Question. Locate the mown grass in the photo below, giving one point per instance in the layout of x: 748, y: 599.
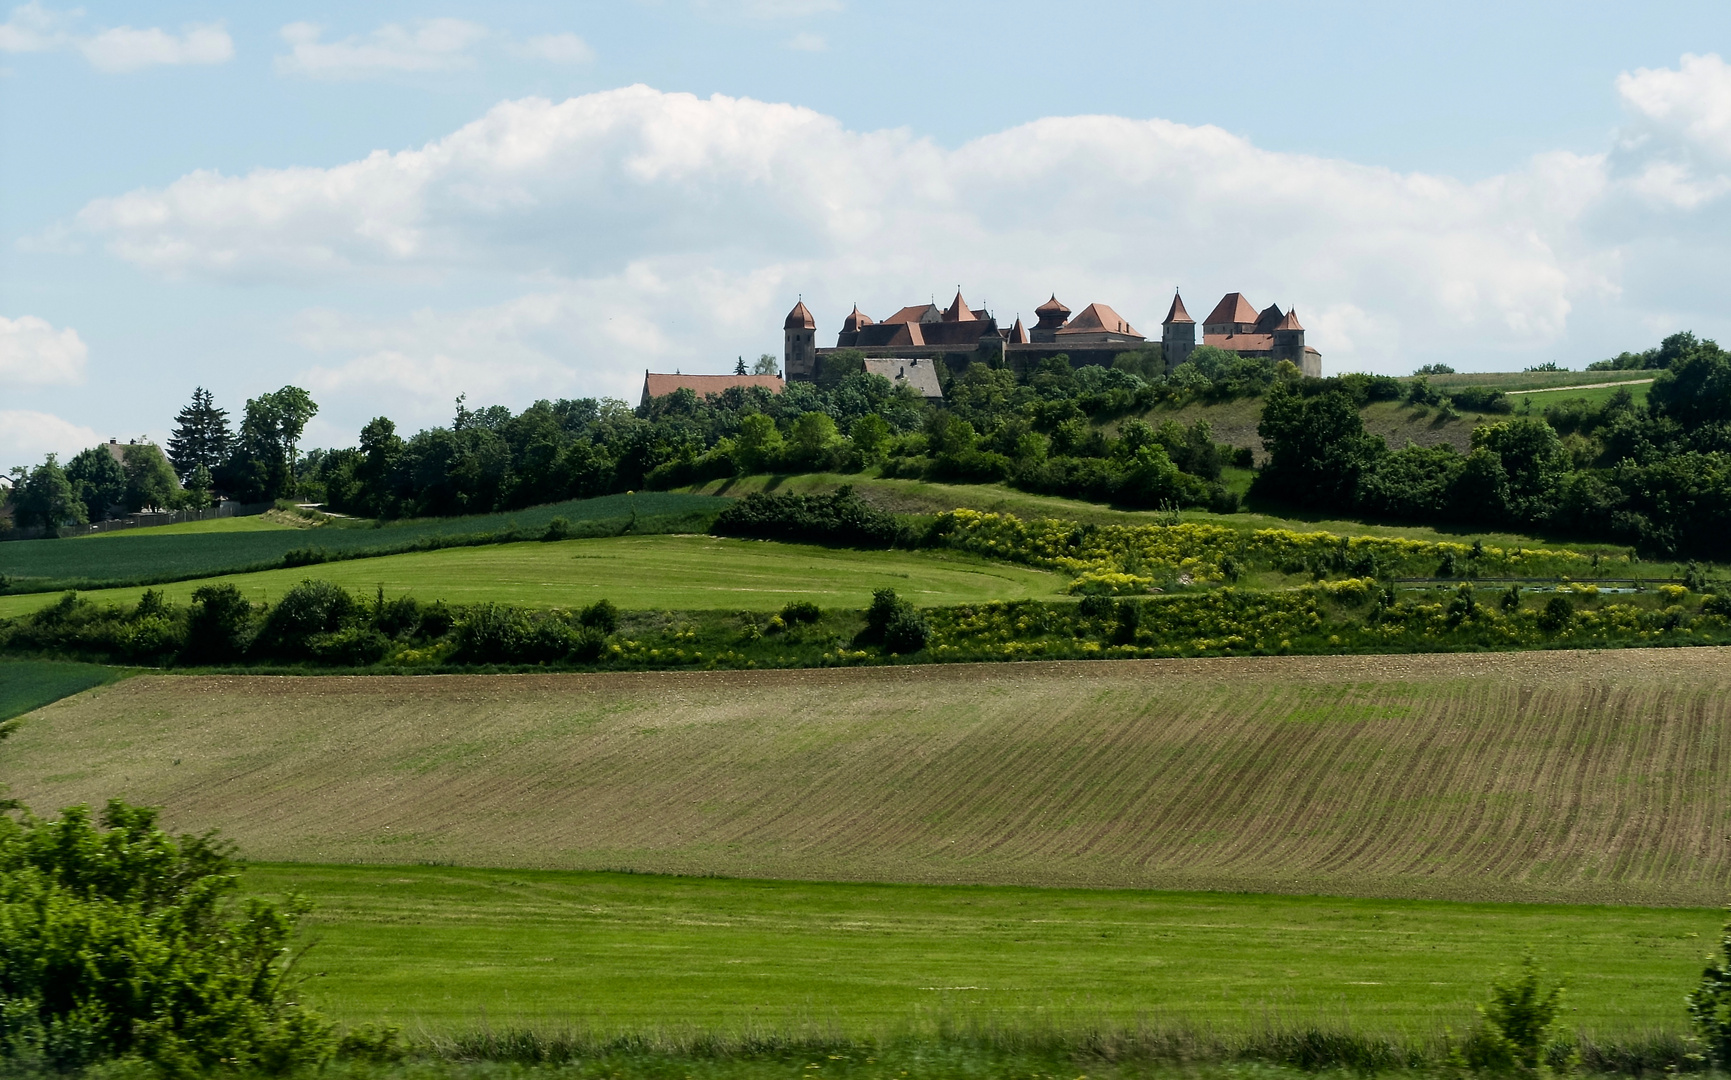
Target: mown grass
x: 441, y: 950
x: 249, y: 524
x: 36, y: 565
x: 640, y: 573
x: 31, y: 684
x: 1596, y: 395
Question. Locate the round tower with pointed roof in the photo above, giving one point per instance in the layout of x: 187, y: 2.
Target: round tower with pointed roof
x: 1177, y: 334
x: 799, y: 345
x: 1052, y: 316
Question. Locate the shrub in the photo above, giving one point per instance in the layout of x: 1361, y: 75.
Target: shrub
x: 116, y: 941
x: 557, y: 529
x: 1519, y: 1023
x: 1710, y: 1004
x: 354, y: 646
x: 885, y: 603
x: 1095, y: 606
x: 398, y: 618
x: 906, y: 631
x: 601, y: 616
x: 841, y: 518
x: 312, y: 607
x: 1482, y: 399
x: 801, y: 611
x: 220, y: 625
x: 1558, y: 613
x: 307, y: 556
x: 492, y: 633
x: 1716, y: 604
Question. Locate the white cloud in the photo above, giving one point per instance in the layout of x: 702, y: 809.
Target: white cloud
x: 1677, y: 146
x: 558, y: 48
x: 428, y: 45
x: 657, y: 229
x: 33, y: 353
x: 27, y: 436
x: 807, y: 42
x: 33, y: 28
x: 126, y: 49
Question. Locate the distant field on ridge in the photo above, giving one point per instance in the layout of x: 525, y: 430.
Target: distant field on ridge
x: 147, y: 554
x: 1555, y: 776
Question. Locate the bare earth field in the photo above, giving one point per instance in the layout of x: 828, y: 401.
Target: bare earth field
x: 1563, y: 776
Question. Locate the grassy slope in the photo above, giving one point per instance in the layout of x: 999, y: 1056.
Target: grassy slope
x: 1550, y: 776
x: 250, y: 524
x: 161, y: 556
x: 438, y: 949
x: 1534, y: 380
x: 30, y: 684
x: 686, y: 573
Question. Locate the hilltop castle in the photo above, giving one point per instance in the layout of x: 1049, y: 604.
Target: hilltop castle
x: 1096, y: 335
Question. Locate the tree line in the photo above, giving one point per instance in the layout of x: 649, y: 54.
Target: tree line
x: 256, y: 463
x: 1654, y: 474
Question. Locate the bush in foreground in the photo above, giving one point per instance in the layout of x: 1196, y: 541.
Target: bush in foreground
x: 119, y: 941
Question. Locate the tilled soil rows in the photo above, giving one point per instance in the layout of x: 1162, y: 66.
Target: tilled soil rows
x: 1568, y: 776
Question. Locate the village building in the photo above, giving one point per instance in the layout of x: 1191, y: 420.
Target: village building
x: 704, y: 386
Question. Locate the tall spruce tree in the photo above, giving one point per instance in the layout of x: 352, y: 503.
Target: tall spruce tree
x: 201, y: 435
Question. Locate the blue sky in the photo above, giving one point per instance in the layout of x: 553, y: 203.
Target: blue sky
x: 394, y: 203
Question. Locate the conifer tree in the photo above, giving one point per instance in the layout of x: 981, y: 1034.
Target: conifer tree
x: 201, y: 435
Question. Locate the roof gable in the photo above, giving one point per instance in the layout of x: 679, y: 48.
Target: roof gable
x: 1233, y: 308
x: 1098, y: 319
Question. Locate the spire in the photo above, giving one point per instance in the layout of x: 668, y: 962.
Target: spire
x: 1177, y: 314
x: 1291, y: 321
x: 855, y: 321
x: 1018, y: 336
x: 799, y: 318
x: 959, y: 310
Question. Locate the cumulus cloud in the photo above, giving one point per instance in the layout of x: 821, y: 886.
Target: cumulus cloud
x: 428, y: 45
x: 661, y: 229
x: 33, y: 28
x: 27, y: 436
x: 1678, y: 144
x: 34, y: 353
x: 558, y: 48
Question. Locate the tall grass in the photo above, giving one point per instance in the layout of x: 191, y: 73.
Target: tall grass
x: 1013, y: 1049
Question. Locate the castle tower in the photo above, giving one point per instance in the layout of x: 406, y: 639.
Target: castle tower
x: 856, y: 321
x: 799, y: 345
x: 1177, y: 334
x: 1053, y: 315
x: 1289, y: 343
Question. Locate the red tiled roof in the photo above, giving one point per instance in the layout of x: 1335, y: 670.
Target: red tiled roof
x: 1018, y: 336
x: 1177, y: 314
x: 1233, y: 308
x: 915, y: 313
x: 855, y: 320
x: 703, y: 386
x: 1291, y: 321
x: 1054, y: 304
x: 799, y: 318
x: 1097, y: 319
x: 1241, y: 343
x: 959, y: 311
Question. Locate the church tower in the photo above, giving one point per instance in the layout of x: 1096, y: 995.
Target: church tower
x: 799, y: 345
x: 1177, y: 334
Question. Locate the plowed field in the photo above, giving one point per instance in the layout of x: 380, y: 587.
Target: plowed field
x: 1558, y: 776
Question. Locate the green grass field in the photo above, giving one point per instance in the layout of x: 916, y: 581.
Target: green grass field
x: 441, y: 949
x: 248, y: 524
x: 1534, y: 380
x: 686, y: 573
x: 30, y: 684
x: 163, y: 556
x: 1598, y: 394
